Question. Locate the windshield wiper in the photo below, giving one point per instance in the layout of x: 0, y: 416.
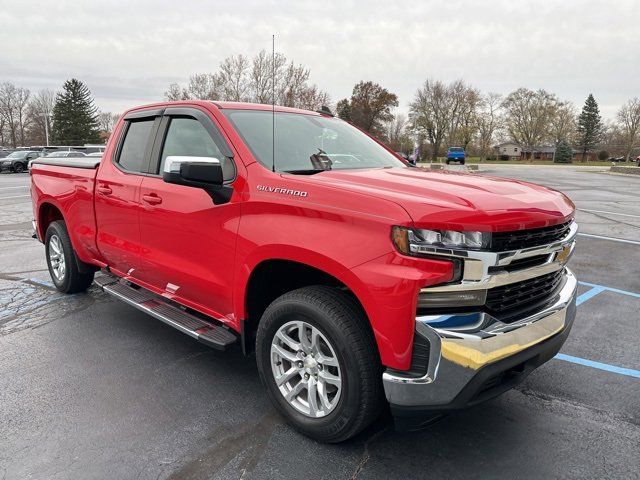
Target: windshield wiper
x: 306, y: 171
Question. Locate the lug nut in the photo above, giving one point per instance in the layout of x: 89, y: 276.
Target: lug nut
x: 306, y: 376
x: 319, y: 366
x: 299, y: 364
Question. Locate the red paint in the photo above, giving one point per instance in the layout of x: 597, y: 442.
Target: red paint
x: 171, y: 234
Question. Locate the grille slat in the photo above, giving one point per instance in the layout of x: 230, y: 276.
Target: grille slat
x: 517, y: 240
x: 505, y: 300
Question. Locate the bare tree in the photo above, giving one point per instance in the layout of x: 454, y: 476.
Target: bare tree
x: 489, y: 121
x: 465, y: 101
x: 253, y: 80
x: 431, y: 113
x: 40, y: 116
x: 176, y: 92
x: 629, y: 122
x: 13, y: 103
x: 528, y: 116
x: 233, y: 78
x: 107, y: 121
x: 563, y: 123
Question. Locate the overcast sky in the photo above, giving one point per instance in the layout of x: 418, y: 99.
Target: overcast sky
x: 129, y: 51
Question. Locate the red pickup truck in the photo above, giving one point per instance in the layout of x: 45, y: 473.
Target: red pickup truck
x: 353, y: 277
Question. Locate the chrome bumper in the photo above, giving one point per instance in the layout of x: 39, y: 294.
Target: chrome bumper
x: 460, y: 346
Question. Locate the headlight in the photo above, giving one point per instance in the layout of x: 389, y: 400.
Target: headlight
x: 417, y: 241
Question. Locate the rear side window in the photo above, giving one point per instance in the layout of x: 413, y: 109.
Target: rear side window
x: 187, y: 137
x: 133, y: 152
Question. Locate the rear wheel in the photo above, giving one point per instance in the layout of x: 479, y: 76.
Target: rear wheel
x: 318, y: 359
x: 62, y: 261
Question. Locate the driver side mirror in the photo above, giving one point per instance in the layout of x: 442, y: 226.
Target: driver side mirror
x: 199, y: 172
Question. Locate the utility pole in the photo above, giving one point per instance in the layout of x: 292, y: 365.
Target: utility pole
x: 46, y: 126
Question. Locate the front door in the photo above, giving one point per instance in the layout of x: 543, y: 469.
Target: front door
x: 188, y: 241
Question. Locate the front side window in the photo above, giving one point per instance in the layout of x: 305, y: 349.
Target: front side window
x: 308, y: 143
x: 187, y: 137
x: 132, y: 155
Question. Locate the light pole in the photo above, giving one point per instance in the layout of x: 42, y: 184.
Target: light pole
x: 46, y: 126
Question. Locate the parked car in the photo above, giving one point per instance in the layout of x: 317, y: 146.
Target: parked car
x: 357, y: 282
x: 65, y: 154
x: 5, y: 153
x: 18, y: 161
x: 638, y: 161
x: 617, y: 159
x: 95, y: 154
x: 455, y: 154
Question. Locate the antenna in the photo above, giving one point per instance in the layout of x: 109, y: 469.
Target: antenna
x: 273, y: 103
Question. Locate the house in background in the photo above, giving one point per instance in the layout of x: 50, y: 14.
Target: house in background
x: 543, y: 152
x: 508, y: 149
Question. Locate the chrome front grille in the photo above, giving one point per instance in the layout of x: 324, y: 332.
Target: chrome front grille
x: 519, y: 239
x: 522, y: 296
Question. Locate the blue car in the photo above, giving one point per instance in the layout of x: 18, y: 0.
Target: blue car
x: 455, y: 154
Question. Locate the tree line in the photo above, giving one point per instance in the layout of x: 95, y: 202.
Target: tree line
x: 68, y: 117
x: 441, y: 114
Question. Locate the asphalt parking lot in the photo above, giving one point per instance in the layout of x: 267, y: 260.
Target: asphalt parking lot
x: 91, y: 388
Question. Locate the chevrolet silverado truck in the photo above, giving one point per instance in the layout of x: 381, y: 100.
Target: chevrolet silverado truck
x: 357, y: 282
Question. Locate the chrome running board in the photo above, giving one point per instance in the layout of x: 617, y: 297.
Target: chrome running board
x: 209, y: 333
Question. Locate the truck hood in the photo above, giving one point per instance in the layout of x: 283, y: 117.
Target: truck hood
x: 460, y: 201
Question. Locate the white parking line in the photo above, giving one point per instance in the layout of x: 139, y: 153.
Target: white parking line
x: 609, y: 213
x: 613, y: 239
x: 14, y: 196
x: 17, y: 186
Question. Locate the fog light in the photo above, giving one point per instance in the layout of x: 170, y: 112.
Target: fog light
x: 452, y: 299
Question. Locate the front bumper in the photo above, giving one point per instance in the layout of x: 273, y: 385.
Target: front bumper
x: 480, y: 357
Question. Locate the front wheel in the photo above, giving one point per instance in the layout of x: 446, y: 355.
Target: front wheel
x: 62, y: 261
x: 18, y: 168
x: 318, y: 359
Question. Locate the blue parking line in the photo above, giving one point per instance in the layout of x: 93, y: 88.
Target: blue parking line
x: 629, y: 372
x: 589, y: 294
x: 611, y: 289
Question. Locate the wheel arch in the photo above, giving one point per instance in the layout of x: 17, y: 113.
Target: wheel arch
x: 301, y: 268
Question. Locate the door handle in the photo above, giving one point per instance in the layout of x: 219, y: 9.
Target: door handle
x: 152, y: 199
x: 104, y: 190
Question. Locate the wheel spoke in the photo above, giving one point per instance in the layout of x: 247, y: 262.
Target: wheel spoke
x: 327, y: 361
x: 288, y: 341
x: 324, y: 399
x: 286, y: 376
x: 304, y: 340
x: 287, y: 355
x: 295, y: 391
x: 330, y: 378
x: 312, y: 397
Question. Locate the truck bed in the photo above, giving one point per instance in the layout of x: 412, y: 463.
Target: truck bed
x: 67, y: 185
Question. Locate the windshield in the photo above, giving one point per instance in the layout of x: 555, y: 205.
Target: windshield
x: 308, y: 143
x: 57, y: 154
x: 18, y: 154
x: 456, y: 149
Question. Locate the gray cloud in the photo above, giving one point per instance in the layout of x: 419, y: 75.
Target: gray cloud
x: 128, y: 52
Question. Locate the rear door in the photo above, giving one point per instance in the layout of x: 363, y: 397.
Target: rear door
x: 117, y: 193
x: 188, y: 241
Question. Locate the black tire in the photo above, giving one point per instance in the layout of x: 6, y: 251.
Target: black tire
x: 18, y: 168
x: 73, y: 280
x: 462, y: 162
x: 447, y: 162
x: 338, y: 317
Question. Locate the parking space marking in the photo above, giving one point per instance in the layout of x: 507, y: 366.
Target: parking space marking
x: 589, y: 294
x: 610, y: 289
x: 600, y: 366
x: 15, y: 196
x: 18, y: 186
x: 613, y: 239
x: 609, y: 213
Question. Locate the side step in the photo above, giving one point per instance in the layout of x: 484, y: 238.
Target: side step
x: 209, y: 333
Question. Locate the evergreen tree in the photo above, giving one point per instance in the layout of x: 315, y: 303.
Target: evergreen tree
x: 589, y: 126
x: 75, y: 117
x: 564, y: 152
